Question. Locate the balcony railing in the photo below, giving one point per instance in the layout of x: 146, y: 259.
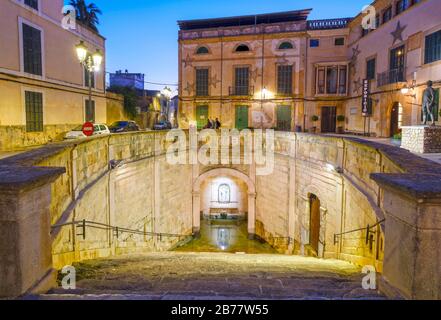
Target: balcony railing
x: 391, y: 76
x: 241, y: 91
x: 329, y: 24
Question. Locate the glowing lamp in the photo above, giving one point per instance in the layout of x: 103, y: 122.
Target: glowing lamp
x: 81, y: 52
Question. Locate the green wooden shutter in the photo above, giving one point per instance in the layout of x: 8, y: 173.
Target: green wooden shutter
x: 241, y: 117
x: 284, y: 118
x: 201, y: 116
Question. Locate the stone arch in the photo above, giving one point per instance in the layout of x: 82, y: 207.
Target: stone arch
x: 196, y: 204
x: 308, y: 192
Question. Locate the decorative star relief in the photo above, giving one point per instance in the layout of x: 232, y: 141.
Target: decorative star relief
x: 214, y: 81
x: 187, y: 61
x: 355, y: 52
x: 189, y: 88
x: 358, y: 84
x: 254, y: 74
x: 398, y: 33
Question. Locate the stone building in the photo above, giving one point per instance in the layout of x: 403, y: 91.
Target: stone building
x: 126, y: 79
x: 284, y: 71
x: 43, y: 87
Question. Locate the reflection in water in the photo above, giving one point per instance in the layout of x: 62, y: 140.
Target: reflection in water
x: 223, y: 238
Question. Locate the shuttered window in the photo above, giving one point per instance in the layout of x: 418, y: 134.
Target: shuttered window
x: 433, y: 47
x: 284, y: 79
x: 242, y: 81
x: 90, y: 111
x: 202, y: 82
x: 89, y: 75
x: 34, y: 111
x: 32, y: 57
x: 32, y: 3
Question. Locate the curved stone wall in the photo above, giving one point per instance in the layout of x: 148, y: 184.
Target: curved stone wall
x: 125, y: 181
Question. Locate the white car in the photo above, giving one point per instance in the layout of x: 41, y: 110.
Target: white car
x: 77, y: 133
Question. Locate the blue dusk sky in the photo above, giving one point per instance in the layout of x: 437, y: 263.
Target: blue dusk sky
x: 142, y: 34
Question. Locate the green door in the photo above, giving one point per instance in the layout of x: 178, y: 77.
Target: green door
x: 201, y: 116
x: 284, y: 118
x: 241, y: 117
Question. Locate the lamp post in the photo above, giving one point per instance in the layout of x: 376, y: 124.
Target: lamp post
x: 262, y: 99
x: 91, y: 62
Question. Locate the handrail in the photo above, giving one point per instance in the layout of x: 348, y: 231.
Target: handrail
x: 118, y: 230
x: 368, y: 231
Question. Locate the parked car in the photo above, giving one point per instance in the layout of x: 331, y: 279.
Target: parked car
x: 77, y: 133
x: 123, y: 126
x: 162, y: 125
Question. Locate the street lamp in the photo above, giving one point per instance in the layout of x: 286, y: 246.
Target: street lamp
x: 91, y: 62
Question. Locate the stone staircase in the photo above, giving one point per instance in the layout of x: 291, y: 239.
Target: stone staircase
x: 213, y: 276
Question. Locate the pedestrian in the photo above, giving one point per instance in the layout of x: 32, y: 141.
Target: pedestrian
x: 218, y: 123
x: 209, y: 124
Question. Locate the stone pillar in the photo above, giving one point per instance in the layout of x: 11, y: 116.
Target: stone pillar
x: 25, y: 240
x: 412, y: 206
x: 251, y: 215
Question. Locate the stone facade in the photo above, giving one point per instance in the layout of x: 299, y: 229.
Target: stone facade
x: 422, y: 139
x: 61, y: 84
x: 316, y: 46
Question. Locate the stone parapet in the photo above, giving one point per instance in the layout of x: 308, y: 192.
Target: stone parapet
x: 422, y: 139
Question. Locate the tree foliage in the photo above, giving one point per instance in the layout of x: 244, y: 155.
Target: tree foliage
x: 130, y: 99
x: 87, y: 13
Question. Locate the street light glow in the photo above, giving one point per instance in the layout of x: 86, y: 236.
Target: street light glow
x: 97, y: 60
x: 81, y: 51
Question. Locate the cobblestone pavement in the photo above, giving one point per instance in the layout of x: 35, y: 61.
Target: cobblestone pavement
x: 187, y: 276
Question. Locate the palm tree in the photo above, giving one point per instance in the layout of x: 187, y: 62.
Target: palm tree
x: 87, y: 13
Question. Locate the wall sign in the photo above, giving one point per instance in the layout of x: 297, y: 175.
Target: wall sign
x: 365, y: 110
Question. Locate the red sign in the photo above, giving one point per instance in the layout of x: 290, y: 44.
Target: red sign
x: 88, y: 129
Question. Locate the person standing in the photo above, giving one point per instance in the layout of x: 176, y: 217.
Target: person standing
x: 218, y: 123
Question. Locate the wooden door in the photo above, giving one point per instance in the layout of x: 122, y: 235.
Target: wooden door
x: 284, y: 118
x: 394, y: 128
x: 314, y: 224
x: 329, y: 118
x: 201, y: 116
x: 241, y: 117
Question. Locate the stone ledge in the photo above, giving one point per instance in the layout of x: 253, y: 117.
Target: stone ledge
x: 418, y: 185
x: 19, y: 178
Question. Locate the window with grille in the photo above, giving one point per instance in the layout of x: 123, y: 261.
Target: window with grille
x: 370, y: 69
x: 433, y: 47
x: 242, y: 81
x: 90, y: 111
x: 284, y: 79
x: 32, y: 3
x: 88, y: 75
x: 202, y: 82
x: 32, y: 56
x: 34, y: 111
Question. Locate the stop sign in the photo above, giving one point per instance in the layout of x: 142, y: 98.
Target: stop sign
x: 88, y: 129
